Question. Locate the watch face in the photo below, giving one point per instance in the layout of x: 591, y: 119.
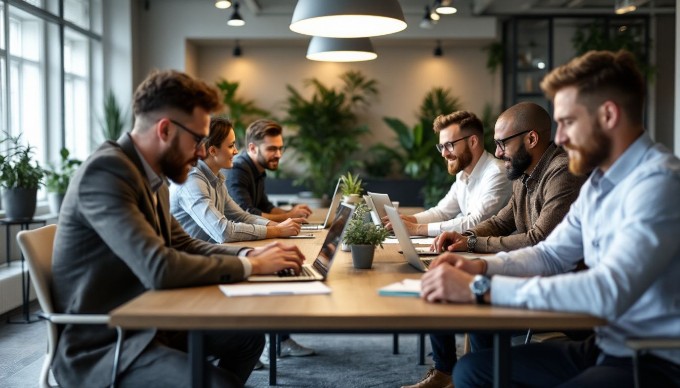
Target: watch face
x: 480, y: 285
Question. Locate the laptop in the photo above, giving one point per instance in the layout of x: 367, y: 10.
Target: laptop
x: 335, y: 200
x: 322, y: 265
x: 412, y: 255
x: 379, y: 201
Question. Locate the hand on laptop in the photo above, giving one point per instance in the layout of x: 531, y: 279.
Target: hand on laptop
x: 275, y: 257
x: 289, y: 227
x: 300, y: 211
x: 473, y: 267
x: 450, y: 241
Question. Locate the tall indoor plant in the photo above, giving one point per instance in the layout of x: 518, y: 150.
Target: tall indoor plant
x: 58, y: 178
x: 241, y: 112
x: 326, y: 127
x: 113, y: 123
x: 20, y: 178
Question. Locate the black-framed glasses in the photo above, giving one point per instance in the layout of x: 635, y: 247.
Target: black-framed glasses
x: 449, y: 144
x: 201, y: 141
x: 500, y: 143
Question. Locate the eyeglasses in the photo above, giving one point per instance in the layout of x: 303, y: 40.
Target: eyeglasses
x: 201, y: 141
x: 274, y: 149
x: 449, y: 144
x: 500, y: 143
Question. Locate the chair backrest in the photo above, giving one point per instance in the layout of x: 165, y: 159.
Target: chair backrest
x: 36, y: 245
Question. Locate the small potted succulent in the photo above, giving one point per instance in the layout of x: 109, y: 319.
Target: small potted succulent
x: 58, y: 179
x: 351, y: 188
x: 363, y: 237
x: 20, y: 178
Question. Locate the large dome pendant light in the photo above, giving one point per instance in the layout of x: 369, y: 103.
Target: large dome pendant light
x: 347, y: 18
x: 340, y: 49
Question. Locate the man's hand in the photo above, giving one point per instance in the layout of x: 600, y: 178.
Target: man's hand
x: 300, y: 211
x: 450, y: 241
x: 473, y: 267
x: 446, y: 283
x: 289, y: 227
x: 275, y: 257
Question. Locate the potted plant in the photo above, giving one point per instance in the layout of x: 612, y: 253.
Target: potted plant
x: 241, y: 111
x: 58, y: 178
x: 20, y: 177
x: 363, y: 237
x: 114, y: 119
x: 351, y: 188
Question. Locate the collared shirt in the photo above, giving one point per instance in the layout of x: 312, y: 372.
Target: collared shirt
x: 626, y: 225
x: 246, y: 185
x: 205, y: 210
x: 472, y: 198
x: 538, y: 203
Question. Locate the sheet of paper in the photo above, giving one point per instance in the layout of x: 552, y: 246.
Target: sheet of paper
x: 271, y: 289
x: 406, y: 287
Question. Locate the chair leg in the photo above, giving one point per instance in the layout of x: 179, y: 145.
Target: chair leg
x: 395, y: 343
x: 421, y: 348
x: 527, y: 340
x: 116, y: 357
x: 636, y: 370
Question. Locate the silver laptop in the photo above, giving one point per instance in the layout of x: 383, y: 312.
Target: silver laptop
x: 319, y: 269
x: 410, y: 253
x: 379, y: 201
x: 335, y: 200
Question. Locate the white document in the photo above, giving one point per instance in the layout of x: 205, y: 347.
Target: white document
x: 271, y: 289
x: 406, y: 287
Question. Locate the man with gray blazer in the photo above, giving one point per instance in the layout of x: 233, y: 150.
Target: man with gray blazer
x: 116, y: 239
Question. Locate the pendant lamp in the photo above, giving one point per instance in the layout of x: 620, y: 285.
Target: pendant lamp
x: 340, y: 49
x: 347, y: 18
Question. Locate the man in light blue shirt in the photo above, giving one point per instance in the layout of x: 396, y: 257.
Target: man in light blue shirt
x: 625, y: 224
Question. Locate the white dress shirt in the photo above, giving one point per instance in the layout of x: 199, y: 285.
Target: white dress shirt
x: 472, y: 198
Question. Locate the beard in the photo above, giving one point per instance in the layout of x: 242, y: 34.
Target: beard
x: 461, y: 162
x: 518, y: 163
x: 172, y: 164
x: 271, y: 164
x: 584, y: 159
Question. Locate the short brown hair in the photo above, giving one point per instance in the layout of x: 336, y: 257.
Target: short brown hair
x: 467, y: 121
x: 174, y: 89
x: 220, y: 128
x: 599, y: 76
x: 261, y: 128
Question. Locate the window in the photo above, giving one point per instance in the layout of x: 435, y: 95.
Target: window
x: 76, y: 94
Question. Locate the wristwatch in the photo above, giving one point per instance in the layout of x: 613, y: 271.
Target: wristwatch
x: 471, y: 240
x: 479, y: 286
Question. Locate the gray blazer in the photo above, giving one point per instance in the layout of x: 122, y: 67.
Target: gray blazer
x: 110, y: 248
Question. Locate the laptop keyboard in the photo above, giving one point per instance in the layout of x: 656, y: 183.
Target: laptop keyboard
x: 304, y: 273
x: 427, y: 262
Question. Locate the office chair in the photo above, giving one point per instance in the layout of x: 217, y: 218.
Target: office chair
x: 640, y: 346
x: 36, y: 246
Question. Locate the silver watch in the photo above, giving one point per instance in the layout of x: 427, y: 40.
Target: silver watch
x: 479, y: 286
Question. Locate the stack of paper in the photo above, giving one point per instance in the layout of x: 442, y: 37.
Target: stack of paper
x: 406, y: 287
x: 269, y: 289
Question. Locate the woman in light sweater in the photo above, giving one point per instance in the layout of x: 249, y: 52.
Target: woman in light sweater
x: 203, y: 206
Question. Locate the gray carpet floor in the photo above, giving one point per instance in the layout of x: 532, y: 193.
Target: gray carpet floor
x: 342, y: 360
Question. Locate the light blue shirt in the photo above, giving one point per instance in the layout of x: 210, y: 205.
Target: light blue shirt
x: 205, y: 210
x: 626, y: 225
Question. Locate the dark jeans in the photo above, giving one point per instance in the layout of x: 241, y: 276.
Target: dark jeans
x: 565, y: 364
x: 165, y: 362
x: 444, y: 348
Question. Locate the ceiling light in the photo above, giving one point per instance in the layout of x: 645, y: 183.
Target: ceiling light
x: 340, y: 49
x: 435, y: 16
x: 445, y: 7
x: 624, y: 6
x: 236, y: 20
x: 427, y: 20
x: 438, y: 52
x: 347, y: 18
x: 222, y: 4
x: 237, y: 49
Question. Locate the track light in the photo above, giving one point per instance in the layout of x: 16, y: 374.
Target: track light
x: 236, y: 20
x: 438, y: 52
x: 237, y: 50
x: 427, y: 21
x: 222, y: 4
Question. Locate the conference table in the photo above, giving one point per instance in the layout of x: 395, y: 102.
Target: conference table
x: 353, y: 306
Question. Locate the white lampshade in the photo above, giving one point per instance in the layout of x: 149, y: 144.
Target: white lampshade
x: 340, y: 49
x: 347, y: 18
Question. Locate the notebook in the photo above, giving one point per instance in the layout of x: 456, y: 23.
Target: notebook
x: 322, y: 265
x: 335, y: 200
x: 412, y: 256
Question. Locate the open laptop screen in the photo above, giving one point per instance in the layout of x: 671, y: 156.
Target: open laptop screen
x: 330, y: 244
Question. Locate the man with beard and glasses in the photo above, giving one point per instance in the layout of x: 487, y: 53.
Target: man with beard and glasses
x: 246, y: 180
x: 245, y: 184
x: 116, y: 240
x: 480, y: 189
x: 543, y: 189
x: 624, y: 224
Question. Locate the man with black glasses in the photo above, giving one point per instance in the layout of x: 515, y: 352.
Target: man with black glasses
x: 542, y: 192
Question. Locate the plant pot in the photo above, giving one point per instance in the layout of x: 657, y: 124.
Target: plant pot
x: 352, y: 199
x: 362, y: 256
x: 345, y: 247
x: 19, y: 203
x: 55, y: 200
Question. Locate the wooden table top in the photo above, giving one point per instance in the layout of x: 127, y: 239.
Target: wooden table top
x: 353, y: 305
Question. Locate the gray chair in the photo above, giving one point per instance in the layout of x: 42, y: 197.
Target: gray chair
x: 36, y: 246
x: 640, y: 346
